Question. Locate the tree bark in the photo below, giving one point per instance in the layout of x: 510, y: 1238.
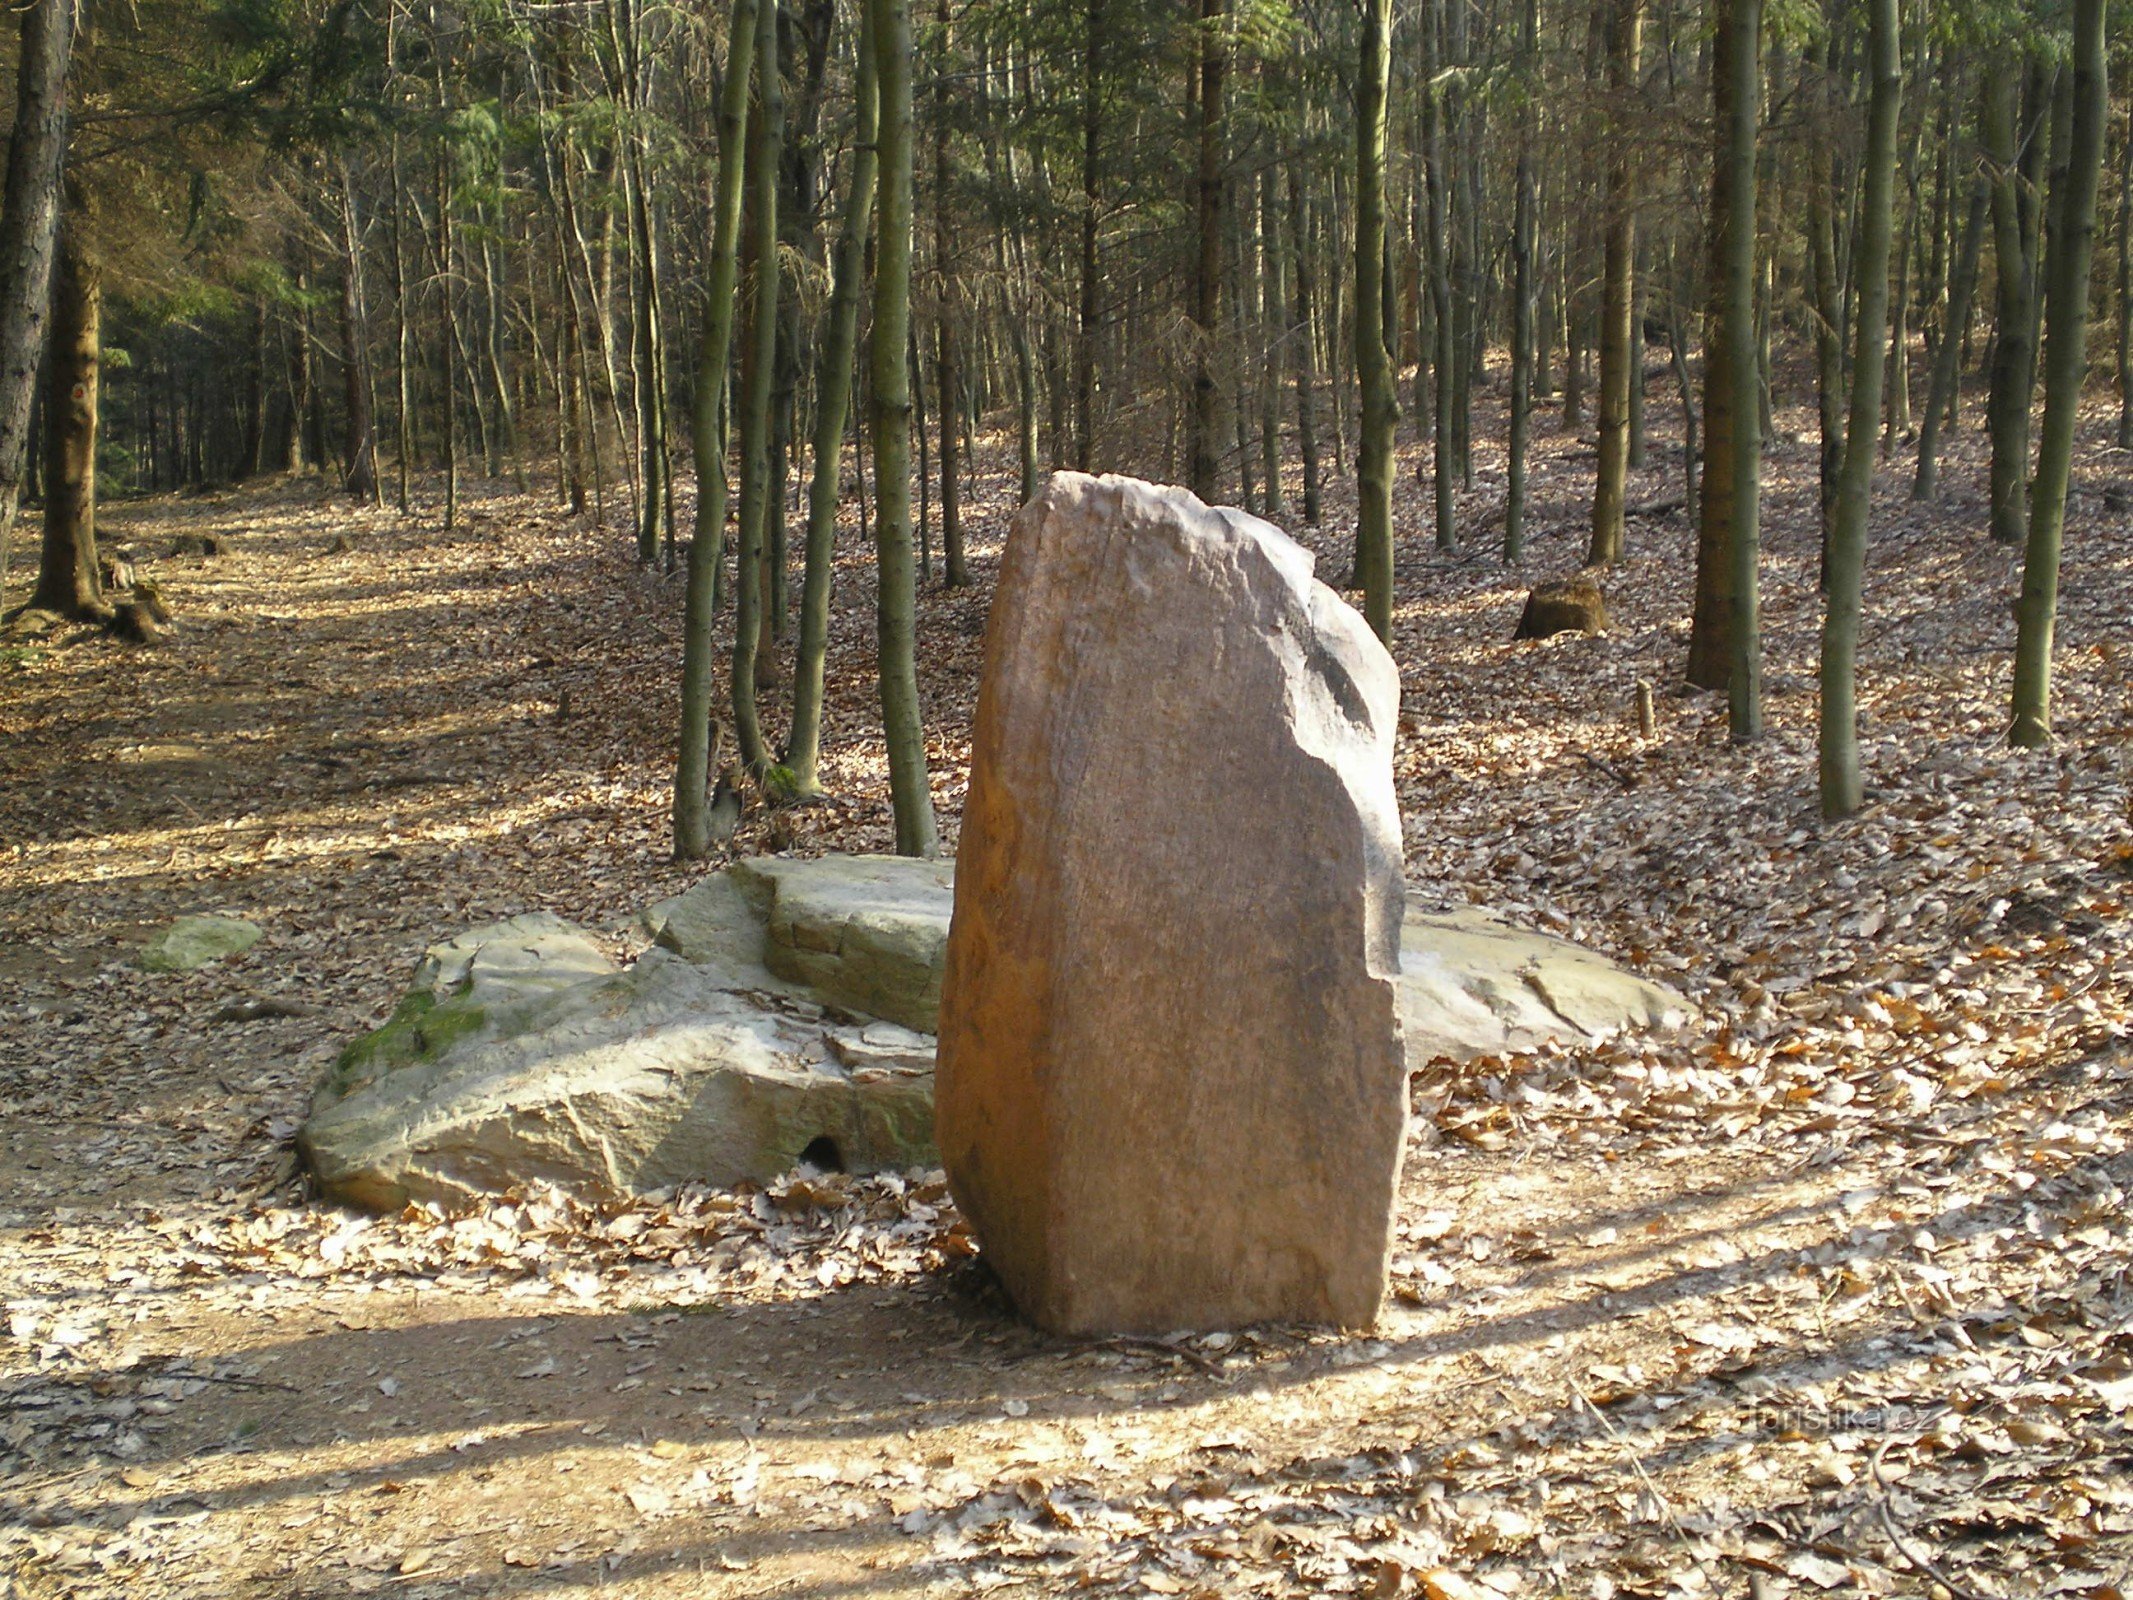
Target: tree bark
x: 2007, y: 404
x: 1204, y: 447
x: 359, y: 446
x: 2072, y: 244
x: 1521, y: 423
x: 67, y: 579
x: 1087, y: 327
x: 1617, y: 346
x: 1839, y: 733
x: 1306, y: 351
x: 947, y: 354
x: 2125, y: 288
x: 895, y: 605
x: 692, y: 778
x: 1373, y: 365
x: 1828, y: 289
x: 1444, y: 357
x: 1710, y: 661
x: 758, y: 372
x: 833, y: 392
x: 1948, y: 354
x: 1739, y: 66
x: 29, y: 222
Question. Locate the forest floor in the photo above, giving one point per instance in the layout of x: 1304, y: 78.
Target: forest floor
x: 1815, y: 1297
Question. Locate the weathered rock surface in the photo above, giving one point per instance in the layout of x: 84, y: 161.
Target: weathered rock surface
x: 1171, y: 1086
x: 1474, y: 985
x: 656, y: 1076
x: 522, y: 1052
x: 192, y: 942
x: 1563, y: 605
x: 866, y: 932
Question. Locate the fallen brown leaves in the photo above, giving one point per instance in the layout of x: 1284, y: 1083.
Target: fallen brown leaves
x: 1824, y: 1294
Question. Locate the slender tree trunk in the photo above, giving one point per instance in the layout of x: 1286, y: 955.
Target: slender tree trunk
x: 1373, y: 366
x: 833, y: 391
x: 758, y: 372
x: 925, y: 465
x: 947, y: 353
x: 1710, y: 662
x: 66, y: 575
x: 895, y: 618
x: 300, y: 379
x: 1840, y: 783
x: 1896, y: 375
x: 1444, y: 453
x: 2007, y: 404
x: 255, y: 395
x: 692, y: 779
x: 29, y: 221
x: 1087, y: 326
x: 1272, y: 293
x: 2068, y: 254
x: 1948, y: 354
x: 1204, y: 446
x: 1828, y: 290
x: 1306, y: 352
x: 359, y: 449
x: 2125, y: 289
x: 1521, y: 424
x: 653, y: 502
x: 1618, y: 298
x: 1741, y: 67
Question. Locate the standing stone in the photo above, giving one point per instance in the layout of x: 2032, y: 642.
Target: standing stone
x: 1170, y: 1090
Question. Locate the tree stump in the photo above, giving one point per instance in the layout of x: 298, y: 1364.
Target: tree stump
x: 1563, y: 605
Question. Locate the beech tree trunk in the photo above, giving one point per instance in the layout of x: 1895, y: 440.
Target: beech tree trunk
x: 833, y: 392
x: 692, y: 778
x: 895, y: 604
x: 1373, y: 366
x: 1839, y: 743
x: 1204, y: 448
x: 2007, y: 404
x: 758, y: 372
x: 1740, y: 66
x: 359, y: 441
x: 1618, y: 346
x: 1711, y: 631
x: 1300, y: 331
x: 1948, y: 355
x: 2068, y: 254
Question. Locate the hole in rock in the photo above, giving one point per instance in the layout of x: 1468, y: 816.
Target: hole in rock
x: 823, y: 1155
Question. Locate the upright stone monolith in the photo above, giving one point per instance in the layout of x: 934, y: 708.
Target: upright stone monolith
x: 1170, y: 1090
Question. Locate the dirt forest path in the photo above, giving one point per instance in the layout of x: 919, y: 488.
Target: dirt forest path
x: 1827, y: 1291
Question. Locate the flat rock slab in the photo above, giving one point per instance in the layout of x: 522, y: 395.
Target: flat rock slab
x: 1474, y: 985
x: 193, y: 942
x: 1171, y: 1090
x: 522, y: 1054
x: 521, y: 1051
x: 645, y: 1079
x: 869, y: 933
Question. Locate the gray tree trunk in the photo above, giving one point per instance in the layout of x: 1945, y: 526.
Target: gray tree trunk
x: 833, y: 393
x: 693, y: 775
x: 2072, y: 244
x: 1373, y: 366
x: 896, y: 601
x: 1839, y: 743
